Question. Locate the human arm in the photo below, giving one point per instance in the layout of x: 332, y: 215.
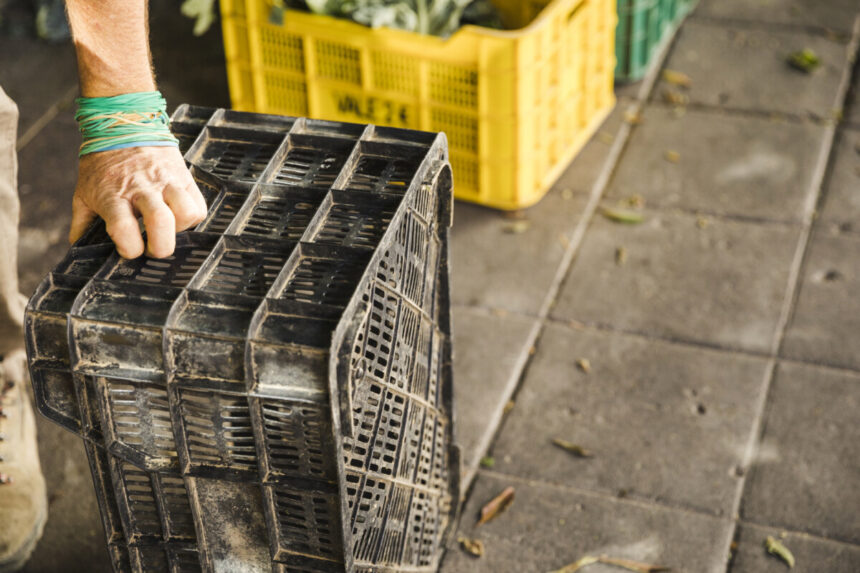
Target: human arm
x: 111, y: 41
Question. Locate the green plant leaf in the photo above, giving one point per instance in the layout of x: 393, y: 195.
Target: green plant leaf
x: 775, y: 547
x: 623, y: 216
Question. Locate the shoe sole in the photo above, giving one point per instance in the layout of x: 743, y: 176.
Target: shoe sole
x: 17, y: 561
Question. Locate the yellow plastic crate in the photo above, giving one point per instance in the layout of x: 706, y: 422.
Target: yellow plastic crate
x: 516, y: 105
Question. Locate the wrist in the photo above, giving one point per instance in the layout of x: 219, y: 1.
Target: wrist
x: 123, y: 121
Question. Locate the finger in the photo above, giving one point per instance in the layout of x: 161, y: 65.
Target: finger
x: 186, y: 211
x: 195, y: 192
x: 159, y: 222
x: 122, y: 226
x: 82, y: 218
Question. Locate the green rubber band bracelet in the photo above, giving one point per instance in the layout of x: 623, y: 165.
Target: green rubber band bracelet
x: 128, y: 120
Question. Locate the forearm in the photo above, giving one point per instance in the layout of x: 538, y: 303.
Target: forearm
x: 112, y: 45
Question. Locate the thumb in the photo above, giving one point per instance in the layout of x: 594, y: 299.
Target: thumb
x: 82, y: 218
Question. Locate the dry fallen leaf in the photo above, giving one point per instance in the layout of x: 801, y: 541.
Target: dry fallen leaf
x: 576, y: 566
x: 517, y: 227
x: 509, y: 405
x: 675, y: 97
x: 775, y: 547
x: 574, y: 449
x: 623, y: 216
x: 804, y: 61
x: 635, y: 566
x: 636, y: 201
x: 584, y: 365
x: 672, y: 156
x: 633, y: 117
x: 679, y: 79
x: 472, y: 546
x: 620, y: 256
x: 497, y: 505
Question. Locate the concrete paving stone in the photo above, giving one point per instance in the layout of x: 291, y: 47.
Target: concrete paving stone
x: 487, y: 348
x: 805, y: 474
x: 746, y: 69
x: 835, y: 15
x: 548, y: 527
x: 852, y: 109
x: 841, y: 198
x: 74, y: 538
x: 584, y: 170
x: 720, y: 285
x: 494, y: 266
x: 727, y: 164
x: 826, y: 322
x: 664, y: 422
x: 36, y: 75
x: 812, y: 555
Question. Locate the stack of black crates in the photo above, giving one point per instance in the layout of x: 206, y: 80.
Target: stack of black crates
x: 277, y: 395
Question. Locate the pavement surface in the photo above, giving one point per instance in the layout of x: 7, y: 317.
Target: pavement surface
x: 706, y: 358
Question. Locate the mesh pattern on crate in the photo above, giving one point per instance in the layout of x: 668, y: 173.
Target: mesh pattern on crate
x: 307, y: 522
x: 317, y: 280
x: 244, y: 272
x: 138, y: 415
x: 226, y: 208
x: 280, y: 217
x: 285, y: 93
x: 282, y: 50
x: 398, y: 454
x: 217, y: 431
x: 355, y: 224
x: 338, y: 62
x: 242, y: 160
x: 294, y: 442
x: 379, y: 174
x: 314, y: 166
x: 175, y: 270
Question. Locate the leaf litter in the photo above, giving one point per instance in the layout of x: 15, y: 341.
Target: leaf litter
x: 517, y: 227
x: 472, y: 546
x: 627, y: 564
x: 775, y: 547
x: 804, y: 61
x: 584, y: 364
x: 679, y: 79
x: 574, y: 449
x: 625, y: 216
x: 497, y: 505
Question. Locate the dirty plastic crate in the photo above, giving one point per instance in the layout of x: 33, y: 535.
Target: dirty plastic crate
x: 516, y: 105
x: 277, y: 394
x: 643, y: 27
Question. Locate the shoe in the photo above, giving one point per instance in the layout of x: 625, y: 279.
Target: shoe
x: 23, y: 498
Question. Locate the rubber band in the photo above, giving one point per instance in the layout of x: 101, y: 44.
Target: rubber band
x: 119, y: 122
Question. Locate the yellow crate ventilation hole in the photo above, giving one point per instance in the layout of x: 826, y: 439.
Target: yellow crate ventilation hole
x: 516, y: 105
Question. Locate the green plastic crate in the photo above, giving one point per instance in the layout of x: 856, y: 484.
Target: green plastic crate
x: 643, y: 26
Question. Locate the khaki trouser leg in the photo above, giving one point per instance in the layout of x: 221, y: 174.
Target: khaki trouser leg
x: 11, y: 301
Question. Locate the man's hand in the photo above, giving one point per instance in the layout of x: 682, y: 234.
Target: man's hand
x: 122, y: 184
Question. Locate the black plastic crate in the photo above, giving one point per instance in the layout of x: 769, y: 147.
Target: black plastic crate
x: 275, y: 396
